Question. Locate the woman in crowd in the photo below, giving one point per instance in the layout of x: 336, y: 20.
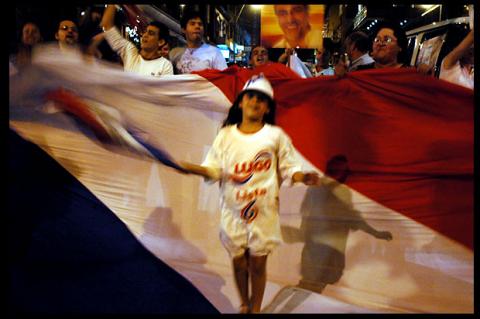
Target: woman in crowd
x: 389, y: 48
x: 30, y: 37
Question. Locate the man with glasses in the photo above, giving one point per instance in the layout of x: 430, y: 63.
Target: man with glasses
x: 146, y: 61
x: 67, y: 35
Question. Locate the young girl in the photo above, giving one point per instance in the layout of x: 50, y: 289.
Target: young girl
x: 251, y: 157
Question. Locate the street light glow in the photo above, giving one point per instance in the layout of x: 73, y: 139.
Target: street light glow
x: 256, y: 6
x: 432, y: 7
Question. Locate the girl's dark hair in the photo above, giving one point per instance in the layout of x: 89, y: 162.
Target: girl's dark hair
x: 235, y: 113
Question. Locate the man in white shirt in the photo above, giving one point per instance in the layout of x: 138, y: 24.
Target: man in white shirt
x: 147, y: 61
x: 197, y: 55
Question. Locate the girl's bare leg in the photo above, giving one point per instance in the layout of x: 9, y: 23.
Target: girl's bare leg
x: 258, y: 273
x: 240, y: 270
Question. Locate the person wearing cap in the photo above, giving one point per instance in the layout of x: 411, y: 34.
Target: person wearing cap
x: 250, y: 157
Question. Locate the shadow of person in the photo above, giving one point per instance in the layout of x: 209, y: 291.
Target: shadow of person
x: 164, y: 239
x: 328, y: 216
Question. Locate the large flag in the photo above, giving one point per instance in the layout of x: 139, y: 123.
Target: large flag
x: 406, y: 141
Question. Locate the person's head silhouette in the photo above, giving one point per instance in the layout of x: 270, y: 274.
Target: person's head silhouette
x: 337, y: 168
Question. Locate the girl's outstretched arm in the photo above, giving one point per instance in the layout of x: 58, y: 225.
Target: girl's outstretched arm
x: 311, y: 178
x: 204, y: 171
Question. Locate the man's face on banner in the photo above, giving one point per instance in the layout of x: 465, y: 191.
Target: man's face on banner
x: 293, y: 20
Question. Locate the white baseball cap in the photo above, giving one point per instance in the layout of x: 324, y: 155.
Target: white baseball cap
x: 259, y: 83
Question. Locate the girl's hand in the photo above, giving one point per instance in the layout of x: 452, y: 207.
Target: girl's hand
x: 185, y: 166
x: 207, y: 172
x: 311, y: 178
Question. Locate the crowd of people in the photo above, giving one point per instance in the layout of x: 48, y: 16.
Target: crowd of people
x: 388, y: 49
x: 156, y: 57
x: 252, y: 116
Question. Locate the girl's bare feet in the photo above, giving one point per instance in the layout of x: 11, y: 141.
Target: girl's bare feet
x: 244, y: 309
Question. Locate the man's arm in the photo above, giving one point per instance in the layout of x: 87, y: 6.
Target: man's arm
x: 451, y: 59
x: 117, y: 42
x: 108, y: 19
x: 92, y: 48
x: 285, y: 55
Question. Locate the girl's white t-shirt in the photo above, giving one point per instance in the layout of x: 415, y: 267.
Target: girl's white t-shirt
x: 251, y: 168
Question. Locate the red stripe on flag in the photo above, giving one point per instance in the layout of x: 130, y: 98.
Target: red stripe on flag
x: 231, y: 80
x: 408, y: 138
x: 73, y: 104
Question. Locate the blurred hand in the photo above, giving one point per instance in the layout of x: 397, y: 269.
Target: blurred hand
x: 386, y: 235
x: 425, y: 69
x: 285, y: 55
x: 186, y: 166
x: 311, y: 178
x: 289, y: 51
x: 341, y: 68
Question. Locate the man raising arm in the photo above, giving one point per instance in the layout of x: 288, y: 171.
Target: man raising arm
x: 147, y: 60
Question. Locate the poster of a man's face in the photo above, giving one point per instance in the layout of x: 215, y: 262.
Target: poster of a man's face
x: 292, y: 26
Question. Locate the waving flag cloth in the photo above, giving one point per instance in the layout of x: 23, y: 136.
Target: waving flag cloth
x: 393, y: 234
